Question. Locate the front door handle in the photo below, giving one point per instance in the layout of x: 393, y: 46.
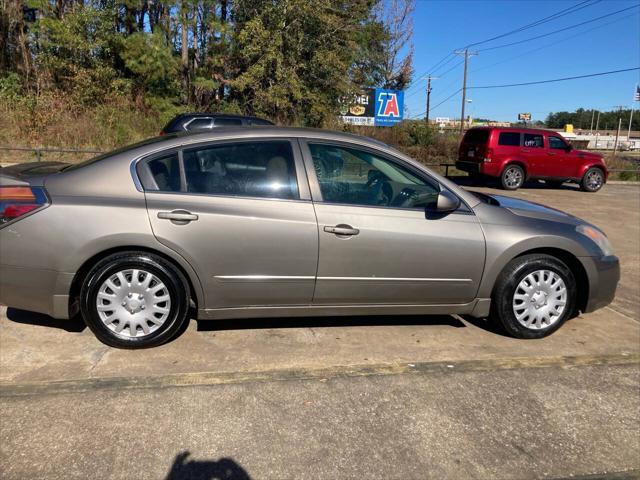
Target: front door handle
x: 342, y: 229
x: 181, y: 217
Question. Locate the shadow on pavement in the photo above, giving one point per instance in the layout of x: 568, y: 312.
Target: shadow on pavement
x: 32, y: 318
x: 495, y: 184
x: 320, y: 322
x: 222, y: 469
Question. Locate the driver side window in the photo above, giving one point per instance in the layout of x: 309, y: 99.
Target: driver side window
x: 357, y: 177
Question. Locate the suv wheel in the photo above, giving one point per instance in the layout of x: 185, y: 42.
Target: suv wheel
x: 512, y: 177
x: 534, y: 296
x: 134, y: 300
x: 593, y: 180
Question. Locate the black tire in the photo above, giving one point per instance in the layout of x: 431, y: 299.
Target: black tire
x: 502, y: 301
x: 177, y: 288
x: 593, y: 180
x: 512, y: 177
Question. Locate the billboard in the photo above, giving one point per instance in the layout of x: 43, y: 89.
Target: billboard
x: 379, y: 107
x: 524, y: 117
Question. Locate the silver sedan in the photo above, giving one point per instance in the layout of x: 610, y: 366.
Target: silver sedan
x: 273, y: 222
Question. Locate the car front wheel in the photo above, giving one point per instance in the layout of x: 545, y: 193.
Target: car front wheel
x: 593, y: 180
x: 534, y: 296
x: 134, y: 300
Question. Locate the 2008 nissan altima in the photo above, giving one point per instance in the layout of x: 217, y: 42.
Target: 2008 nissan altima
x: 273, y: 222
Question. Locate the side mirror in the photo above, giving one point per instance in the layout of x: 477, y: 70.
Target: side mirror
x: 447, y: 202
x: 569, y: 147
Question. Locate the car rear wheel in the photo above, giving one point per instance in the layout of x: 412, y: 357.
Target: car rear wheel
x: 534, y: 296
x: 134, y: 300
x: 512, y: 177
x: 593, y: 180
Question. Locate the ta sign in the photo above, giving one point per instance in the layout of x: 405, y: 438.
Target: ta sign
x: 389, y: 106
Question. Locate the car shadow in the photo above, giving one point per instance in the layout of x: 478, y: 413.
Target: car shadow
x: 320, y: 322
x: 75, y: 325
x: 495, y: 183
x: 222, y: 469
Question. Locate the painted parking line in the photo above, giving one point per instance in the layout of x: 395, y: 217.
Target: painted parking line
x: 322, y: 374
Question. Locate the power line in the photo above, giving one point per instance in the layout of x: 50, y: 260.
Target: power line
x: 553, y: 43
x: 549, y: 18
x: 560, y: 30
x: 443, y: 101
x: 558, y: 79
x: 431, y: 70
x: 409, y: 95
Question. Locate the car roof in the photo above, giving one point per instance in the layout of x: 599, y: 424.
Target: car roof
x: 215, y: 115
x: 257, y: 131
x: 515, y: 129
x: 98, y: 176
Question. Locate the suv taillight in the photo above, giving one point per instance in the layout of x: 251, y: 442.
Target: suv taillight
x: 488, y: 154
x: 16, y: 202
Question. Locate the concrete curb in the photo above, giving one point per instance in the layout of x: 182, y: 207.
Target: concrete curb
x: 321, y: 374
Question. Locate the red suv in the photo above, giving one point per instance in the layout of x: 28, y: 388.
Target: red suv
x: 516, y: 154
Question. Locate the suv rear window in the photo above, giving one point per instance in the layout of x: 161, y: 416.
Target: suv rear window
x: 476, y: 136
x: 511, y: 139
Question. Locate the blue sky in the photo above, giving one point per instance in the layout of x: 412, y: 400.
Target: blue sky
x: 612, y: 43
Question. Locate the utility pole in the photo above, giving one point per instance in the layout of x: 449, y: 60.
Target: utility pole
x: 615, y: 145
x: 466, y: 54
x: 597, y: 123
x: 428, y: 78
x: 593, y: 112
x: 629, y: 132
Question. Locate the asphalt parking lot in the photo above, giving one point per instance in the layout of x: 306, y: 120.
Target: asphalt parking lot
x: 362, y: 397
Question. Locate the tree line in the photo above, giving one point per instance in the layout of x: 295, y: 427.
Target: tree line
x: 292, y: 61
x: 582, y: 119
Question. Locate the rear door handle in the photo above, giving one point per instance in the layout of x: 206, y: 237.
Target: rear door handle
x: 342, y: 229
x: 178, y: 216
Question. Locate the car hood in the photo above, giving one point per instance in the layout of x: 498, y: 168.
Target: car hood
x: 535, y: 210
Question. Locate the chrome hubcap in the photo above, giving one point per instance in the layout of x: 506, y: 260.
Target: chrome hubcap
x: 513, y: 177
x: 133, y: 303
x: 540, y: 299
x: 594, y: 180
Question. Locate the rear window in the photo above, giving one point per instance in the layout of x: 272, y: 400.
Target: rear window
x: 476, y: 136
x: 199, y: 124
x: 509, y: 139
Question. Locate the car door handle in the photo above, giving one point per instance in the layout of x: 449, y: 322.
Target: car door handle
x: 342, y: 230
x: 178, y: 216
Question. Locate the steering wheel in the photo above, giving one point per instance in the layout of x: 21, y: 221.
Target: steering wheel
x: 381, y: 190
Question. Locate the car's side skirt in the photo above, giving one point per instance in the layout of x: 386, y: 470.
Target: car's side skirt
x: 479, y: 307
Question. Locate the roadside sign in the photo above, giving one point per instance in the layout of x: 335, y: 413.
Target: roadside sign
x: 378, y: 107
x: 524, y: 117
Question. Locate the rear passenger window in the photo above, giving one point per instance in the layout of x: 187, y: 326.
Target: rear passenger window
x: 511, y: 139
x: 533, y: 140
x: 248, y: 169
x: 166, y: 173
